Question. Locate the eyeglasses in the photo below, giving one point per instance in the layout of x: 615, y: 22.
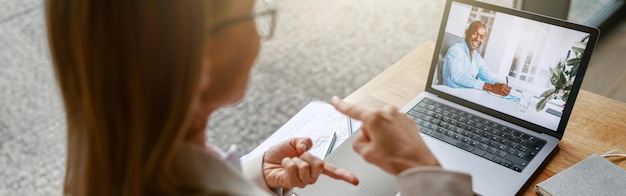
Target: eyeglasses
x: 264, y: 16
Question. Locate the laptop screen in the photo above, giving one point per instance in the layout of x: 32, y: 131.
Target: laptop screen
x: 517, y: 65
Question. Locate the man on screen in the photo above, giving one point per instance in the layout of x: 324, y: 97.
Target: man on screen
x: 463, y: 67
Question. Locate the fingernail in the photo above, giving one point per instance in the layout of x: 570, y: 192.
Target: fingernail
x: 302, y: 146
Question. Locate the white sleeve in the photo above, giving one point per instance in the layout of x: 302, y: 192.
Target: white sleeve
x: 433, y: 181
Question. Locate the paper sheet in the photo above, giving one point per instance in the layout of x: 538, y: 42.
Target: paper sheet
x: 317, y: 120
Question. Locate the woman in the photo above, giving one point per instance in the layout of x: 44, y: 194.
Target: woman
x: 139, y: 81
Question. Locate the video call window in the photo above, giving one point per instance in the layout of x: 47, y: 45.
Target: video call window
x: 535, y: 60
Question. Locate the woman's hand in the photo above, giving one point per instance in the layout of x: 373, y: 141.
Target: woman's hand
x: 388, y: 139
x: 289, y: 165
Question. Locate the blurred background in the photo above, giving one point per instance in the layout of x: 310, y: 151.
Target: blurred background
x: 321, y: 48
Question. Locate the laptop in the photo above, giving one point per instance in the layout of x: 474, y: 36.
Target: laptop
x: 500, y: 139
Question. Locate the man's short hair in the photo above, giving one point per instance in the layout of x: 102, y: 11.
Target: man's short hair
x: 474, y: 24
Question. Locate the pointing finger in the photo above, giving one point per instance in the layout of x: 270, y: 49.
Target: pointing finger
x: 339, y: 174
x: 354, y: 111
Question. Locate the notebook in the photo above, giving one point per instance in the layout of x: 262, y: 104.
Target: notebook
x: 500, y: 139
x: 593, y: 176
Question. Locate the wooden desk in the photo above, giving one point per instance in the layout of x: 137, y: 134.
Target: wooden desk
x: 597, y: 124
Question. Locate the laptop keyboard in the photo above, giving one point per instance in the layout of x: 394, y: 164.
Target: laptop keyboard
x: 498, y: 143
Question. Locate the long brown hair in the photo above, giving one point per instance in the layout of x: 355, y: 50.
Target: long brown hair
x: 129, y: 74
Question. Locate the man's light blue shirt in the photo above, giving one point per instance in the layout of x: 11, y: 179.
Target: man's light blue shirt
x: 461, y: 72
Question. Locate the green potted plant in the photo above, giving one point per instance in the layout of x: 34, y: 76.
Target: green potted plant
x: 563, y: 75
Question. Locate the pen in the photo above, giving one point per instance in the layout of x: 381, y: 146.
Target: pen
x: 349, y: 126
x: 331, y: 144
x: 507, y: 80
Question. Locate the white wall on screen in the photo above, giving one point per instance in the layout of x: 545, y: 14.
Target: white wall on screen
x: 457, y: 20
x: 503, y: 39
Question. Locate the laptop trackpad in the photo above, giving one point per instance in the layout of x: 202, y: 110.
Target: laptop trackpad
x: 450, y: 157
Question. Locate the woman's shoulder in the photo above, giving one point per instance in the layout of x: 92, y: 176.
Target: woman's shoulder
x: 194, y: 169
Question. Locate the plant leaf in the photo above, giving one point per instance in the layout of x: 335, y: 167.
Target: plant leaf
x: 562, y: 80
x: 575, y: 68
x: 555, y: 75
x: 565, y: 96
x: 573, y: 61
x: 542, y: 103
x: 573, y: 72
x: 569, y: 84
x: 548, y: 93
x: 578, y: 50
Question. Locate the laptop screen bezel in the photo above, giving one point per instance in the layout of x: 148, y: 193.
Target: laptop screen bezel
x: 569, y: 105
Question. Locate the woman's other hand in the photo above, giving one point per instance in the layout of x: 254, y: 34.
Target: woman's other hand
x: 388, y: 139
x: 289, y: 165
